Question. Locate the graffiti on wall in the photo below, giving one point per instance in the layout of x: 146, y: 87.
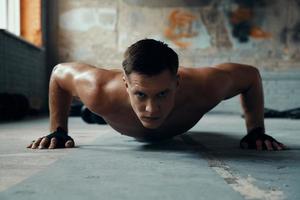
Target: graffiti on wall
x: 242, y: 21
x: 180, y: 27
x: 213, y: 20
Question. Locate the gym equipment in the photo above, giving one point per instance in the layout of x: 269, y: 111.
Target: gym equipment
x: 90, y: 117
x: 13, y: 106
x: 75, y: 109
x: 290, y: 114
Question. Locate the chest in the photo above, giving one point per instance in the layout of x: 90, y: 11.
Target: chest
x: 179, y: 121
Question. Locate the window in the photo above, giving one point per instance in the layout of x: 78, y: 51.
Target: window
x: 22, y: 18
x: 10, y: 15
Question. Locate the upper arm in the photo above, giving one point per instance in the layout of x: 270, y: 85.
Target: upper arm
x: 81, y: 80
x: 230, y: 79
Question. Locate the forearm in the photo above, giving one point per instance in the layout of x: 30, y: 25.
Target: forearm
x: 59, y: 105
x: 252, y: 101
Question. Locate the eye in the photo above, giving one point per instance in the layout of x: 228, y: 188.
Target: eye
x: 140, y: 95
x: 162, y: 94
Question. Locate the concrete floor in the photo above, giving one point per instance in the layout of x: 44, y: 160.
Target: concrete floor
x: 205, y: 163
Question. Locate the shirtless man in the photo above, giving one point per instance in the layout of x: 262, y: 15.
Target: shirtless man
x: 152, y: 99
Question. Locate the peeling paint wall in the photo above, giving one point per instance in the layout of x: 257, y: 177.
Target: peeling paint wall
x: 88, y: 32
x: 261, y: 33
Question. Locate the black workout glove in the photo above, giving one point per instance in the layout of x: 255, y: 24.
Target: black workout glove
x: 61, y: 136
x: 255, y: 135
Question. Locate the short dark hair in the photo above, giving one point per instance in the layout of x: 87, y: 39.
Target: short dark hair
x: 150, y: 57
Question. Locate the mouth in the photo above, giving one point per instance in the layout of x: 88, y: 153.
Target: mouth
x: 150, y: 119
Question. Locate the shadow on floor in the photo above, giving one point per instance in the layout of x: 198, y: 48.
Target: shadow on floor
x: 207, y: 144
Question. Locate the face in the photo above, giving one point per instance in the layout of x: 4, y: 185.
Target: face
x: 152, y: 97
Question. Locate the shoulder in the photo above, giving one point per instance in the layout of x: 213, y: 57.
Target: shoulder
x: 95, y: 77
x: 206, y: 77
x: 226, y: 80
x: 79, y: 72
x: 209, y: 84
x: 106, y: 89
x: 202, y: 73
x: 91, y: 84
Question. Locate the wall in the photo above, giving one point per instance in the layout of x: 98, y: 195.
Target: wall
x: 262, y: 33
x: 22, y: 69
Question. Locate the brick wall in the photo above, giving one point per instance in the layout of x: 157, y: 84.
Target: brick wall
x: 22, y: 69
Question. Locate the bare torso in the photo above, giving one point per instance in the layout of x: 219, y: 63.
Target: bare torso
x: 188, y: 109
x: 200, y: 89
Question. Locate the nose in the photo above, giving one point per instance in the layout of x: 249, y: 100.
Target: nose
x: 152, y: 107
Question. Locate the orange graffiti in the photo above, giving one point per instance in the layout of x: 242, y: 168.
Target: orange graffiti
x: 243, y: 15
x: 257, y: 32
x: 180, y: 26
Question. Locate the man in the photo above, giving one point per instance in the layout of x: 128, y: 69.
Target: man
x: 152, y: 99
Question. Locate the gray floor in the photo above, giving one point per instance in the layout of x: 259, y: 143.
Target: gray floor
x: 204, y: 163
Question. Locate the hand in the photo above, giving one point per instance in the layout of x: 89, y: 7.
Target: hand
x: 57, y: 139
x: 257, y: 139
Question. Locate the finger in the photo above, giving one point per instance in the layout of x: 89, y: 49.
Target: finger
x: 36, y: 143
x: 259, y: 145
x: 283, y: 146
x: 53, y: 143
x: 276, y: 146
x: 69, y: 144
x: 30, y: 145
x: 268, y: 145
x: 44, y: 143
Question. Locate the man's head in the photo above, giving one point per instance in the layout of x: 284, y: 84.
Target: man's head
x: 150, y: 74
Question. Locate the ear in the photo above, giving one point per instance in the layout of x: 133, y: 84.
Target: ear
x: 125, y: 81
